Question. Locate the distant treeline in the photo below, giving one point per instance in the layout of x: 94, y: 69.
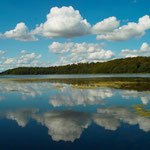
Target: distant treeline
x: 126, y: 65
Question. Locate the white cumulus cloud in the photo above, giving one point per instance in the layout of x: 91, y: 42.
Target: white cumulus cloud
x: 2, y: 52
x: 80, y: 52
x: 25, y: 60
x: 66, y: 22
x: 20, y: 33
x: 63, y: 22
x: 128, y: 31
x: 143, y: 51
x: 107, y: 25
x: 23, y: 52
x: 22, y: 60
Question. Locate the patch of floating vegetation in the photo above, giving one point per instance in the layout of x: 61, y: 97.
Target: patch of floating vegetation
x: 1, y: 91
x: 139, y: 109
x: 108, y: 84
x: 114, y: 84
x: 148, y: 92
x: 138, y: 105
x: 84, y: 87
x: 58, y: 86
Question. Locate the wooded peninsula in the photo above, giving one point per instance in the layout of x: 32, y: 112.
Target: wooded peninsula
x: 124, y: 65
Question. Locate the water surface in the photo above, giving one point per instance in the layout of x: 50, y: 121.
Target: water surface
x: 72, y: 76
x: 49, y: 115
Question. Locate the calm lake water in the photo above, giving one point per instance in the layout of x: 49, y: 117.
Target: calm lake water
x: 72, y: 76
x: 46, y: 115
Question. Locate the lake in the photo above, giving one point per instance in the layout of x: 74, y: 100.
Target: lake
x: 57, y: 114
x: 72, y: 76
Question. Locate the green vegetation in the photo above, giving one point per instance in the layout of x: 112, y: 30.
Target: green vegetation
x: 58, y: 87
x: 127, y: 83
x: 139, y: 109
x: 127, y: 65
x: 84, y: 87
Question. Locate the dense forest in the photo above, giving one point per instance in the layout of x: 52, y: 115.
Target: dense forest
x: 126, y: 65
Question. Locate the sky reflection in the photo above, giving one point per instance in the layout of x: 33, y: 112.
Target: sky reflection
x: 69, y: 115
x: 68, y: 125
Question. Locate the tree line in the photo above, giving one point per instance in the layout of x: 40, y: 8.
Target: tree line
x: 124, y: 65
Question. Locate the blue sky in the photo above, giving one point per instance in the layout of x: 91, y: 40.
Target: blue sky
x: 73, y: 31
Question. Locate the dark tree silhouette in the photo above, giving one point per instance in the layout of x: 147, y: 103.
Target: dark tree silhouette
x: 126, y: 65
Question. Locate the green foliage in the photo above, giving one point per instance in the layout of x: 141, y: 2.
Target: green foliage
x: 127, y: 65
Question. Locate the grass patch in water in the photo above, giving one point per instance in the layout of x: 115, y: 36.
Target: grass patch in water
x: 84, y: 87
x: 139, y: 109
x: 58, y: 86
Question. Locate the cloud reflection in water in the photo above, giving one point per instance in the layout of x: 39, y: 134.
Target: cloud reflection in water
x: 69, y: 125
x: 73, y: 97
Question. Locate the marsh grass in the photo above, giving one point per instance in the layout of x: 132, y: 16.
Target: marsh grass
x: 130, y: 83
x: 58, y: 86
x: 140, y: 109
x: 84, y: 87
